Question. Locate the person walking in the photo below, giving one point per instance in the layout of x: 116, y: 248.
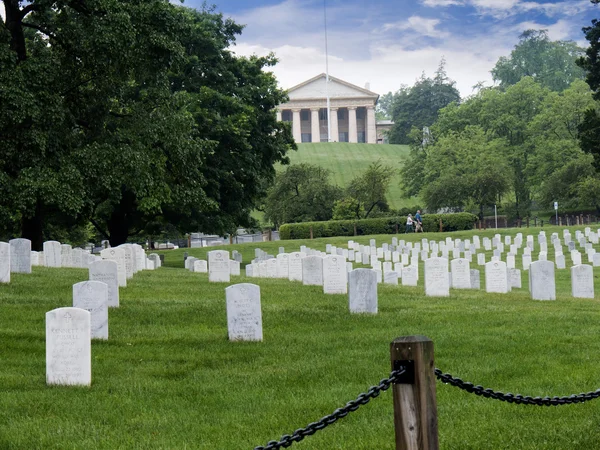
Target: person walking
x: 409, y: 224
x: 418, y: 222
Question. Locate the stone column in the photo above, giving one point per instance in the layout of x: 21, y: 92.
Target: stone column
x: 371, y: 126
x: 315, y: 129
x: 335, y: 134
x: 296, y: 126
x: 278, y: 115
x: 352, y: 130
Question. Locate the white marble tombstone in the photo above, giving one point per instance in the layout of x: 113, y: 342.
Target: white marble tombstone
x: 41, y: 259
x: 541, y: 278
x: 244, y: 317
x: 262, y: 269
x: 295, y: 266
x: 139, y: 256
x: 251, y: 270
x: 20, y: 255
x: 510, y: 261
x: 66, y: 255
x: 526, y: 259
x: 390, y: 277
x: 596, y: 260
x: 271, y: 268
x: 218, y: 266
x: 283, y: 265
x: 582, y: 281
x: 475, y: 279
x: 576, y: 258
x: 362, y: 291
x: 117, y: 255
x: 150, y: 264
x: 156, y: 258
x: 52, y: 256
x: 436, y: 277
x: 93, y: 297
x: 480, y: 259
x: 130, y: 261
x: 35, y: 258
x: 234, y: 268
x: 200, y: 266
x: 461, y: 273
x: 312, y: 271
x: 514, y: 278
x: 4, y: 262
x: 496, y: 277
x: 107, y: 272
x: 68, y: 347
x: 335, y: 276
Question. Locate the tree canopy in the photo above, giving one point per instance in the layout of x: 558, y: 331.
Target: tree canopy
x: 131, y: 113
x: 418, y: 105
x: 550, y: 63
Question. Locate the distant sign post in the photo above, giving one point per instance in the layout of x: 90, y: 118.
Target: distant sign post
x: 556, y: 211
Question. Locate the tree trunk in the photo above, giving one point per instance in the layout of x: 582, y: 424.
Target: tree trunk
x: 118, y: 223
x: 31, y: 228
x: 14, y: 17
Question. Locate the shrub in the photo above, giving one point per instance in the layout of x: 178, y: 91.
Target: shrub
x: 383, y: 225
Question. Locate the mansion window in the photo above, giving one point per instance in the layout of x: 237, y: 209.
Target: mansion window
x: 286, y: 115
x: 304, y: 115
x: 342, y: 114
x: 360, y: 113
x: 343, y: 136
x: 306, y: 137
x: 361, y: 137
x: 323, y: 114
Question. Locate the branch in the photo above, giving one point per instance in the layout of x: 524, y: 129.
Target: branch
x: 100, y: 230
x: 43, y: 31
x: 29, y: 8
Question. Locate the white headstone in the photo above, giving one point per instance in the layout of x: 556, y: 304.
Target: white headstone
x: 68, y: 347
x: 410, y: 276
x: 541, y: 280
x: 107, y: 272
x: 130, y: 261
x: 66, y: 256
x: 481, y: 259
x: 20, y: 255
x: 514, y: 278
x: 93, y: 297
x: 200, y: 266
x: 234, y: 268
x: 335, y: 276
x: 117, y: 255
x: 390, y: 277
x: 496, y: 279
x: 283, y: 265
x: 295, y: 266
x: 312, y: 271
x: 362, y: 291
x: 4, y: 262
x: 582, y: 281
x: 244, y: 317
x: 461, y: 273
x: 436, y: 277
x: 218, y: 266
x: 52, y: 256
x: 475, y: 279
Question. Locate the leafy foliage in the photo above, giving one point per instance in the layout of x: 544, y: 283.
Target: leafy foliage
x: 418, y: 106
x: 371, y: 187
x: 550, y: 63
x: 301, y: 193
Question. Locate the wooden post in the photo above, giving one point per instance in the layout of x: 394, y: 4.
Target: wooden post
x: 415, y: 406
x: 535, y: 221
x: 311, y: 232
x: 577, y: 220
x: 560, y: 221
x: 441, y: 228
x: 542, y: 224
x: 527, y: 221
x: 479, y: 224
x: 269, y: 234
x: 505, y: 222
x: 356, y: 234
x: 355, y: 229
x: 189, y: 241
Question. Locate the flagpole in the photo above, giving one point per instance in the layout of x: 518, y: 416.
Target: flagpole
x: 327, y: 74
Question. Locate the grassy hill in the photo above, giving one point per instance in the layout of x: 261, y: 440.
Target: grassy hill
x: 346, y: 161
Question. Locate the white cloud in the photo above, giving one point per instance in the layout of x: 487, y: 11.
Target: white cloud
x: 442, y: 3
x: 559, y: 31
x: 422, y: 25
x: 2, y: 12
x: 501, y: 9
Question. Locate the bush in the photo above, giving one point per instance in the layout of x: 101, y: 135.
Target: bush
x: 384, y: 225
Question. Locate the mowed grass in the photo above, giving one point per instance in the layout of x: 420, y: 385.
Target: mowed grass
x: 347, y: 161
x: 168, y: 378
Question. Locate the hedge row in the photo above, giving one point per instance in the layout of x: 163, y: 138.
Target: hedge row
x: 383, y: 225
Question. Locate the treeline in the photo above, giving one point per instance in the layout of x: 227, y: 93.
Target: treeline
x: 125, y: 118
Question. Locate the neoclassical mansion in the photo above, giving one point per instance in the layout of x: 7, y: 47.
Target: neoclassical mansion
x: 352, y: 110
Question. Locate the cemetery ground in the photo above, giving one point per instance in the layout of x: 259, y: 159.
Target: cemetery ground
x: 169, y: 378
x: 347, y: 161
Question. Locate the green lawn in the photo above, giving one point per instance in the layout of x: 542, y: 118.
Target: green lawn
x: 347, y: 161
x: 168, y: 378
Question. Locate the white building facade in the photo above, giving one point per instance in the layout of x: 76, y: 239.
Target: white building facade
x: 352, y: 111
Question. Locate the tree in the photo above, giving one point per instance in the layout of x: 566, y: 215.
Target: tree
x: 551, y: 63
x: 418, y: 106
x: 463, y: 167
x: 384, y: 106
x: 348, y: 209
x: 370, y: 188
x: 131, y: 113
x: 302, y: 193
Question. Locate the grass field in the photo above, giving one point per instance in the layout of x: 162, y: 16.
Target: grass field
x: 168, y: 378
x: 347, y: 161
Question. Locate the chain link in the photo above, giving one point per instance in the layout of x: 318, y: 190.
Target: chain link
x: 515, y: 398
x: 288, y: 439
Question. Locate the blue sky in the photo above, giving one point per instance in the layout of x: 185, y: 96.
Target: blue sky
x: 390, y: 43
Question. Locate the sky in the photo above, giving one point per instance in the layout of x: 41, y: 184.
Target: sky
x: 390, y: 43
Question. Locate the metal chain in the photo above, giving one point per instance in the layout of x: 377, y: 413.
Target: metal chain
x: 339, y: 413
x: 515, y: 398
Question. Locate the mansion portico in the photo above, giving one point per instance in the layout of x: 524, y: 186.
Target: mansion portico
x: 352, y: 110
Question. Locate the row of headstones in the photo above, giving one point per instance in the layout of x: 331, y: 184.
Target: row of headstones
x: 16, y: 257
